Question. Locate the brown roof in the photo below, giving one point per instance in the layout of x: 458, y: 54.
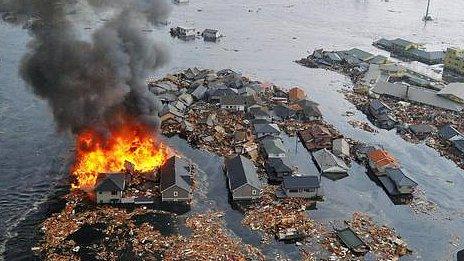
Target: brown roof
x: 381, y: 158
x: 296, y: 94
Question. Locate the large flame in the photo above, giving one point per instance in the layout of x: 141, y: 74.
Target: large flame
x: 96, y: 153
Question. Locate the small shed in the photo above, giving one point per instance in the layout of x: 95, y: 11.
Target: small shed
x: 341, y: 148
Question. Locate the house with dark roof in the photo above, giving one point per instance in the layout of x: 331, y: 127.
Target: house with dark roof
x: 277, y: 169
x: 176, y: 180
x: 273, y: 148
x: 266, y: 129
x: 109, y: 187
x: 397, y: 183
x: 381, y: 114
x: 450, y: 133
x: 257, y: 112
x: 458, y: 146
x: 301, y: 186
x: 283, y: 112
x: 233, y: 103
x: 422, y: 131
x: 215, y: 94
x: 243, y: 180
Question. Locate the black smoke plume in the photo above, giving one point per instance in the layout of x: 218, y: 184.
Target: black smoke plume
x: 87, y: 81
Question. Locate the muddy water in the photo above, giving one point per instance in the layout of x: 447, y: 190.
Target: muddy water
x: 262, y: 40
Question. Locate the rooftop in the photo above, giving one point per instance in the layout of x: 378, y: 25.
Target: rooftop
x: 175, y: 171
x: 301, y: 182
x: 110, y: 182
x: 241, y: 171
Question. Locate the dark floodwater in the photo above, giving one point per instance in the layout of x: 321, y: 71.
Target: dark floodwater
x: 262, y: 40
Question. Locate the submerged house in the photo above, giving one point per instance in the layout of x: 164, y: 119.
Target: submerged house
x: 397, y: 183
x: 176, y: 180
x: 329, y: 163
x: 211, y: 35
x: 380, y: 159
x: 243, y: 180
x: 109, y: 188
x: 301, y: 186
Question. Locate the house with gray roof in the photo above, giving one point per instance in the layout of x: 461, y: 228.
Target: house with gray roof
x: 301, y: 186
x: 341, y: 148
x: 273, y: 148
x: 233, y: 103
x: 266, y: 129
x: 329, y: 163
x: 283, y: 112
x: 109, y: 187
x: 199, y: 92
x: 453, y: 91
x: 243, y: 180
x: 176, y: 180
x: 397, y: 183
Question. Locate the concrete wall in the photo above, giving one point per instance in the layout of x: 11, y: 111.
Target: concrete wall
x: 175, y: 193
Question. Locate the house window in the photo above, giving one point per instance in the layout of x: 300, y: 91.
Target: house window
x: 99, y: 192
x: 293, y: 190
x: 309, y: 190
x: 176, y: 193
x: 253, y: 192
x: 114, y: 192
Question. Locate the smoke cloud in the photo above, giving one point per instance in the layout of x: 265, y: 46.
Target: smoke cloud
x: 87, y: 82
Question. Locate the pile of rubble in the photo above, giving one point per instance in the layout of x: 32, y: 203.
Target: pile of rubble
x: 362, y: 125
x: 81, y: 229
x: 210, y: 241
x: 273, y: 216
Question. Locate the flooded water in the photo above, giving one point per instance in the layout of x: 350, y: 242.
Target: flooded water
x: 262, y: 40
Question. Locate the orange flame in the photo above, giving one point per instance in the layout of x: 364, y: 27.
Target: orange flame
x: 96, y: 153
